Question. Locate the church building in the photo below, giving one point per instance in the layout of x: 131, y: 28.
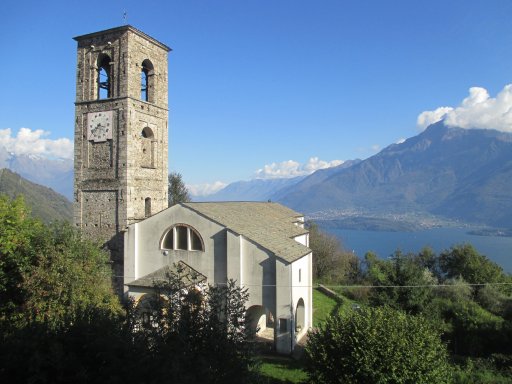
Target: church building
x: 120, y: 195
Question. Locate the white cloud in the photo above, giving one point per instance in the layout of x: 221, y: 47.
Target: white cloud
x: 478, y: 110
x: 205, y: 189
x: 400, y: 141
x: 29, y: 142
x: 291, y: 168
x: 430, y: 117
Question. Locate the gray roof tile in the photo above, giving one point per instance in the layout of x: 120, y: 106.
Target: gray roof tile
x: 271, y: 225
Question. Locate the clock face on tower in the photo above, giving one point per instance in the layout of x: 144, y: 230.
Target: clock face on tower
x: 99, y: 126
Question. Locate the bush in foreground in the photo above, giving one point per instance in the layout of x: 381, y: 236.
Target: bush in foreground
x: 377, y: 345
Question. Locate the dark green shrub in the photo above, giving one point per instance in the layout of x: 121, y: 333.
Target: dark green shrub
x: 377, y: 345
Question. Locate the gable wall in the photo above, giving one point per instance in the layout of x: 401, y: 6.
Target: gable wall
x: 302, y: 239
x: 145, y: 238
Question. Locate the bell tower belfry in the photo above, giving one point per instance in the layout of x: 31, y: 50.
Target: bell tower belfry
x: 121, y: 139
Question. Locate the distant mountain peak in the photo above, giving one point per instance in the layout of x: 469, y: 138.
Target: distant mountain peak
x: 462, y: 174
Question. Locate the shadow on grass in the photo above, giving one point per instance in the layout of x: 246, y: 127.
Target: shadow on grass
x: 281, y: 370
x: 339, y: 303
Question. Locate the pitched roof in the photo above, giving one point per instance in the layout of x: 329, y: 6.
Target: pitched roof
x: 188, y: 275
x: 271, y: 225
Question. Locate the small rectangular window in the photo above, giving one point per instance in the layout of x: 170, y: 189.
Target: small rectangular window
x: 300, y: 270
x: 283, y: 325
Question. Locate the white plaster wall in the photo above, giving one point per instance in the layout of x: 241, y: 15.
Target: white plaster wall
x: 148, y: 257
x: 130, y: 255
x: 234, y: 263
x: 302, y: 239
x: 303, y: 289
x: 290, y: 291
x: 258, y: 267
x: 283, y: 338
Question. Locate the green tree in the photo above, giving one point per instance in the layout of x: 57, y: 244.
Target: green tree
x: 427, y: 259
x: 476, y: 331
x: 177, y: 192
x: 59, y: 317
x: 207, y: 334
x: 48, y: 272
x: 405, y: 283
x: 92, y: 347
x: 493, y: 299
x: 71, y: 275
x: 331, y: 263
x: 455, y: 289
x: 18, y: 231
x: 377, y: 345
x: 465, y: 261
x: 474, y: 268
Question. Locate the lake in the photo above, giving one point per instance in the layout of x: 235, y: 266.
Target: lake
x: 498, y: 249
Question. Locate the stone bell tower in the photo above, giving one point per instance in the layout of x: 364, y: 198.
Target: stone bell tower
x: 121, y: 125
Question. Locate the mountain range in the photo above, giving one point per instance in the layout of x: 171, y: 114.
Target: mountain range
x: 454, y: 174
x: 267, y: 189
x: 463, y: 175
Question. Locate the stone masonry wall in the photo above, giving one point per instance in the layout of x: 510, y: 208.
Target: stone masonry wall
x: 115, y: 179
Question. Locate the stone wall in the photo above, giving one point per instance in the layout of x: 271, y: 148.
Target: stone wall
x: 117, y: 178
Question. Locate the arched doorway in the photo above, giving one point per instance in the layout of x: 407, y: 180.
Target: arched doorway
x: 300, y: 316
x: 148, y: 311
x: 261, y: 321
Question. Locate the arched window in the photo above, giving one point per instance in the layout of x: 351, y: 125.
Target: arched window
x: 104, y: 77
x: 182, y: 237
x: 147, y: 81
x: 148, y: 148
x: 147, y: 207
x: 147, y: 133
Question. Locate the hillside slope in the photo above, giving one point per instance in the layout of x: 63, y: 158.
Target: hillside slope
x: 44, y: 202
x: 54, y: 173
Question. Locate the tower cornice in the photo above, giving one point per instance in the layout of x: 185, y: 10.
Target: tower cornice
x: 123, y: 98
x: 121, y: 29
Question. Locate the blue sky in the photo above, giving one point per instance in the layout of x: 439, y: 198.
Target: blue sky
x: 264, y: 85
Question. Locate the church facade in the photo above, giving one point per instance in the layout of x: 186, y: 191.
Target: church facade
x: 121, y: 144
x: 261, y: 245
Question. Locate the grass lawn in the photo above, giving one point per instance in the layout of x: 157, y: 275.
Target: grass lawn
x: 323, y: 306
x: 282, y: 370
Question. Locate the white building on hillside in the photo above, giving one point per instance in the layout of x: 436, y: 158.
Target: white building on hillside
x: 263, y: 246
